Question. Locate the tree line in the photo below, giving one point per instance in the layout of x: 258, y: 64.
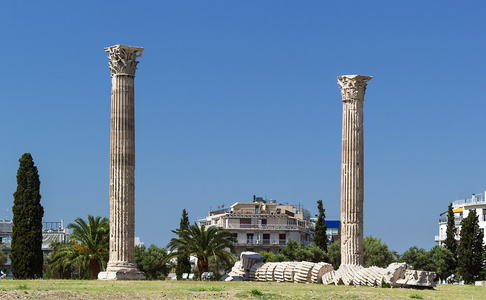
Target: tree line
x: 465, y: 258
x: 86, y: 251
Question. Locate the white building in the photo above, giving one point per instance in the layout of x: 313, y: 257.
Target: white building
x: 263, y: 226
x: 461, y: 210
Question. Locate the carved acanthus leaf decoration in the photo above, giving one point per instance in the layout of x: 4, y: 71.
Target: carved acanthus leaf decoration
x: 353, y: 87
x: 123, y: 59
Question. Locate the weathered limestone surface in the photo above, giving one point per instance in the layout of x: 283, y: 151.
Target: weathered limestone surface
x: 318, y: 270
x: 414, y: 278
x: 353, y: 89
x: 303, y: 272
x: 395, y: 275
x: 248, y: 259
x: 279, y: 272
x: 253, y: 271
x: 121, y: 264
x: 289, y: 272
x: 242, y: 270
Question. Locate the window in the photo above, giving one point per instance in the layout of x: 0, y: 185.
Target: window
x: 245, y: 223
x: 249, y: 238
x: 266, y: 239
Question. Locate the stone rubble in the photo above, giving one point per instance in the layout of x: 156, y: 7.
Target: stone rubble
x: 252, y: 268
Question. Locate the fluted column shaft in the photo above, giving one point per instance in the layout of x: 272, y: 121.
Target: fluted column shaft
x: 352, y: 176
x: 122, y: 170
x: 122, y: 158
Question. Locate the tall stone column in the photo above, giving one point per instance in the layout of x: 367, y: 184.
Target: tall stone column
x: 121, y: 265
x: 352, y: 184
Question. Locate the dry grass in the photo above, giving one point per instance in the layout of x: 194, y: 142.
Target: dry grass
x: 77, y: 289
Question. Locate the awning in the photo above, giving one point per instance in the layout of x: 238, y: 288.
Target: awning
x: 459, y: 209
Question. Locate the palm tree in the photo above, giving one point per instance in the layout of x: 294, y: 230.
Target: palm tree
x: 203, y: 243
x: 91, y: 241
x: 65, y: 261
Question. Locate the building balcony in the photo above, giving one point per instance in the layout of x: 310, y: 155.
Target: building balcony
x: 442, y: 238
x: 457, y: 220
x: 260, y: 227
x: 265, y: 242
x: 476, y: 199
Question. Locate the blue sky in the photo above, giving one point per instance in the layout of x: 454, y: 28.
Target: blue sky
x: 240, y: 98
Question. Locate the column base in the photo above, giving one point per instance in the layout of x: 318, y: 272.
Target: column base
x: 121, y: 271
x: 122, y: 275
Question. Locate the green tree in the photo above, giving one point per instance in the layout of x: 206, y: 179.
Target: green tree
x: 277, y: 258
x: 376, y: 253
x: 91, y: 241
x: 334, y: 254
x: 443, y: 260
x: 470, y: 250
x: 26, y: 249
x: 450, y: 241
x: 54, y: 266
x: 220, y: 267
x: 419, y: 258
x: 267, y: 256
x: 66, y: 262
x: 3, y: 257
x: 152, y: 261
x: 313, y: 253
x: 183, y: 261
x: 292, y: 250
x: 203, y: 243
x: 320, y: 233
x: 271, y: 257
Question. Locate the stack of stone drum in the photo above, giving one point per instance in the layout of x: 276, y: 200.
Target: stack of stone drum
x: 251, y: 267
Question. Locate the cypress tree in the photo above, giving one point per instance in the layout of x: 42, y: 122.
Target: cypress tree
x: 26, y: 253
x: 320, y: 233
x: 183, y: 261
x: 450, y: 241
x: 470, y: 250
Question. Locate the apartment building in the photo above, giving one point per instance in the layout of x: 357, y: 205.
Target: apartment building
x: 263, y: 225
x: 461, y: 209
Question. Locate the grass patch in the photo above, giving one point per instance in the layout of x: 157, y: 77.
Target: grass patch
x: 173, y: 289
x: 22, y: 287
x: 241, y: 295
x: 206, y: 289
x: 256, y: 292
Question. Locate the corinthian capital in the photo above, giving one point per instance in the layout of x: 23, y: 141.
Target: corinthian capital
x: 353, y: 87
x: 123, y: 59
